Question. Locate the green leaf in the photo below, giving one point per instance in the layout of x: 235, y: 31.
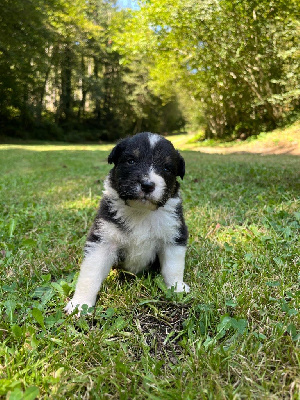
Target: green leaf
x: 284, y: 305
x: 34, y: 341
x: 31, y: 393
x: 66, y: 288
x: 41, y: 291
x: 239, y: 325
x: 248, y: 257
x: 118, y: 325
x: 230, y: 303
x: 228, y: 248
x: 58, y: 288
x: 53, y: 319
x: 29, y: 243
x: 10, y: 306
x: 109, y: 312
x: 38, y: 316
x: 297, y: 215
x: 59, y: 372
x: 209, y: 342
x: 292, y: 312
x: 17, y: 394
x: 17, y: 331
x: 148, y: 302
x: 223, y: 326
x: 260, y: 336
x: 273, y: 283
x: 46, y: 278
x: 6, y: 384
x: 292, y: 330
x: 12, y: 227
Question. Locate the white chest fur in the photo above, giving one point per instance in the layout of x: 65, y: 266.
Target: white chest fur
x: 146, y: 232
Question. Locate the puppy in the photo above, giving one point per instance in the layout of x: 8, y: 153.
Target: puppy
x: 140, y: 218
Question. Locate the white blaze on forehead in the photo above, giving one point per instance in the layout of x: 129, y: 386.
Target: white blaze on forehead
x: 160, y: 185
x: 153, y: 139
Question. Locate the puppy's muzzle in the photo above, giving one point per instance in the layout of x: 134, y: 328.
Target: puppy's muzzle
x: 147, y: 186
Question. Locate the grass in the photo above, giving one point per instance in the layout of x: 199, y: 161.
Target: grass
x: 235, y: 336
x: 279, y: 141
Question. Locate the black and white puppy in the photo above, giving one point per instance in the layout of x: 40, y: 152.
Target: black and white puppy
x: 140, y: 217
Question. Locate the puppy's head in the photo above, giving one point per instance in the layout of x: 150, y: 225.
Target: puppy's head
x: 145, y: 170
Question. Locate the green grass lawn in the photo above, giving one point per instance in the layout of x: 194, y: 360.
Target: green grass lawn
x: 235, y: 336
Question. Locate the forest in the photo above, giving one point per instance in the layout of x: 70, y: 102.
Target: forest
x: 221, y: 80
x: 91, y: 70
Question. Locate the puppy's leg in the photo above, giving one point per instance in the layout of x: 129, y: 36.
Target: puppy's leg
x: 94, y: 269
x: 172, y: 259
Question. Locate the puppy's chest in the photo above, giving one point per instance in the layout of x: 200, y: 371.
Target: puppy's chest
x: 156, y: 225
x: 139, y: 254
x: 146, y: 237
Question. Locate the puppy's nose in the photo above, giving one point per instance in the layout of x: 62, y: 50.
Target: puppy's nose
x: 147, y: 186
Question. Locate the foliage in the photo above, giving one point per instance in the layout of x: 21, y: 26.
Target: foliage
x: 238, y: 60
x: 90, y: 70
x: 59, y: 73
x: 235, y: 335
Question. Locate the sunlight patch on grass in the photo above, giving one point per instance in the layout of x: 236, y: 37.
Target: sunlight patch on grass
x: 81, y: 204
x: 57, y: 147
x: 179, y: 140
x: 279, y: 140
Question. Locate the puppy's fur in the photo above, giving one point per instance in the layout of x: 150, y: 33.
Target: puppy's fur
x: 140, y: 217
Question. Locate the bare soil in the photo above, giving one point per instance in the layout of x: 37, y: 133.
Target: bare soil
x: 283, y: 148
x: 285, y: 141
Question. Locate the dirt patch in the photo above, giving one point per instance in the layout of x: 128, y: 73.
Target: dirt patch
x: 262, y: 150
x: 286, y: 141
x: 161, y: 325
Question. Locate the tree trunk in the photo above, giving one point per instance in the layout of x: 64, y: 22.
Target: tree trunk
x: 97, y: 98
x: 81, y: 108
x: 66, y: 85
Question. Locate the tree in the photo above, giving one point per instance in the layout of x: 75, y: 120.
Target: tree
x: 60, y: 69
x: 22, y: 47
x: 232, y: 57
x: 87, y: 70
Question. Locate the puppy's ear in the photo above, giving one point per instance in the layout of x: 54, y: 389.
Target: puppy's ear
x: 116, y: 152
x: 180, y: 165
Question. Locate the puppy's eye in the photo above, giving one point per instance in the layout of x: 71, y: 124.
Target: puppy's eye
x: 130, y: 161
x: 167, y: 168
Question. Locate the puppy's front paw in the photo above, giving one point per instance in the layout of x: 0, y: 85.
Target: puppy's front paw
x: 180, y: 287
x: 80, y: 306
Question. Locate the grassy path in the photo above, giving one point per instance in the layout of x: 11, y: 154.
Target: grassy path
x: 236, y: 335
x: 279, y: 141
